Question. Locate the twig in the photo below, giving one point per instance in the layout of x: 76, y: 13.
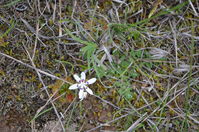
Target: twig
x: 40, y: 71
x: 107, y: 102
x: 41, y: 80
x: 105, y: 124
x: 40, y: 35
x: 134, y: 125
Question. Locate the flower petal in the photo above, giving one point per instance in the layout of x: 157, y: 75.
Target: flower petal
x: 74, y: 86
x: 85, y: 94
x: 81, y: 86
x: 83, y: 76
x: 81, y: 94
x: 89, y: 90
x: 76, y: 77
x: 91, y: 81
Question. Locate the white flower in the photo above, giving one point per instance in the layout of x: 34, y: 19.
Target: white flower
x: 82, y: 85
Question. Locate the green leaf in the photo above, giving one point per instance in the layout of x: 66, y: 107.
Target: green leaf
x: 148, y: 64
x: 9, y: 30
x: 138, y: 53
x: 125, y: 64
x: 100, y: 72
x: 12, y: 3
x: 133, y: 74
x: 135, y: 34
x: 133, y: 54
